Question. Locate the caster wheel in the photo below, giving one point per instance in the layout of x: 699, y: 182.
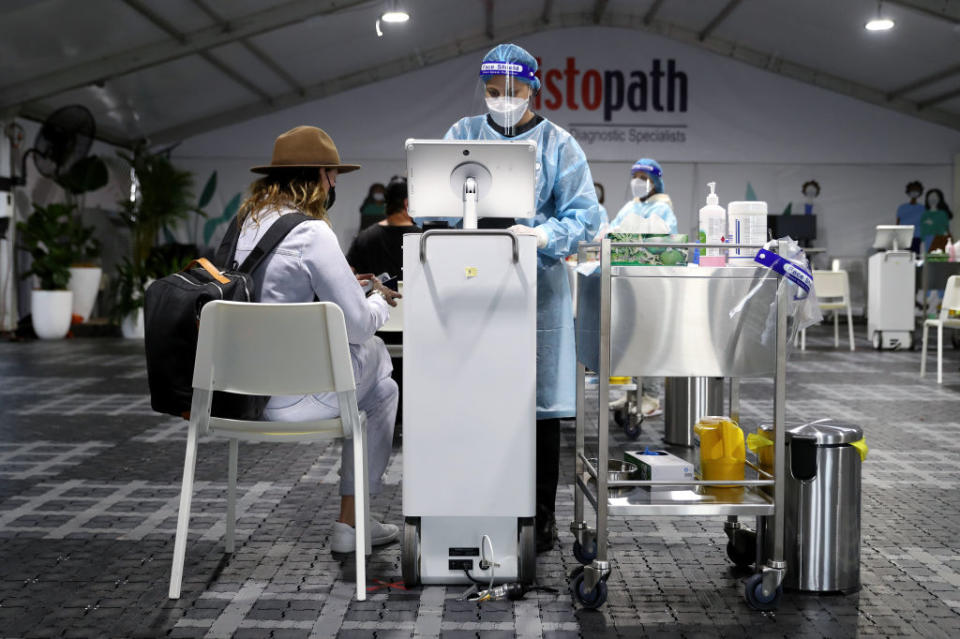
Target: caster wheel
x: 744, y: 557
x: 753, y: 593
x: 591, y: 600
x: 410, y: 552
x: 585, y: 555
x: 621, y: 417
x: 632, y: 428
x: 577, y: 570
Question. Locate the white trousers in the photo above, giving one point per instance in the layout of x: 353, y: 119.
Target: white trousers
x: 377, y: 396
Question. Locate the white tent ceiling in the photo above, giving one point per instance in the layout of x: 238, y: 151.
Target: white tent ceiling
x: 167, y: 70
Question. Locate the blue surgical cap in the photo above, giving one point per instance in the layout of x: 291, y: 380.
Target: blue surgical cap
x: 652, y: 168
x: 515, y: 54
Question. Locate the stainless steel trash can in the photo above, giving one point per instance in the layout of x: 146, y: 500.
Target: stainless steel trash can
x: 686, y: 400
x: 822, y: 518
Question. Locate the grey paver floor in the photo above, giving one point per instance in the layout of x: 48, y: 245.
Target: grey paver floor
x: 89, y: 481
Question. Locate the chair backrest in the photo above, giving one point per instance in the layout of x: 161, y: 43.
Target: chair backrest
x: 394, y: 323
x: 831, y: 284
x: 273, y: 349
x: 951, y: 297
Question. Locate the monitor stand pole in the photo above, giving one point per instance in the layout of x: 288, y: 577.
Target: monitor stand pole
x: 470, y: 204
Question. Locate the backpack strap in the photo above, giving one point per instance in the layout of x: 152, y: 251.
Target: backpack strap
x: 205, y: 264
x: 223, y: 258
x: 274, y: 235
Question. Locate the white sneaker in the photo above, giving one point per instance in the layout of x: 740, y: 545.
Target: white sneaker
x: 650, y: 406
x: 344, y: 538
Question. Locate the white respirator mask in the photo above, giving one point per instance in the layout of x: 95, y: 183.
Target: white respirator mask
x: 507, y: 111
x: 641, y: 187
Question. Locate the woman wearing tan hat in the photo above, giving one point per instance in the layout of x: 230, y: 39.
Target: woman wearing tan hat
x: 309, y: 264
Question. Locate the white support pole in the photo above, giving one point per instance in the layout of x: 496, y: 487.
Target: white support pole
x: 8, y: 282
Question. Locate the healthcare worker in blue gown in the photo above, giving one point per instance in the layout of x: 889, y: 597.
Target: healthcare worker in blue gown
x: 567, y: 213
x: 649, y: 196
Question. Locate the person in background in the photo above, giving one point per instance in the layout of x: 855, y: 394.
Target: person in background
x: 811, y: 191
x: 372, y: 211
x: 378, y: 248
x: 649, y: 198
x: 567, y: 212
x: 912, y: 212
x: 308, y: 265
x: 935, y: 220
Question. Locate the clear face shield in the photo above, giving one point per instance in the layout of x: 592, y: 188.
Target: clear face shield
x: 504, y: 95
x: 643, y: 179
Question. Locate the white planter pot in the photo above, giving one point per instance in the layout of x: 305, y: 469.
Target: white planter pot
x: 51, y: 313
x: 132, y: 325
x: 85, y: 284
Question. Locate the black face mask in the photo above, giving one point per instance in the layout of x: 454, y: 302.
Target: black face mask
x: 331, y: 197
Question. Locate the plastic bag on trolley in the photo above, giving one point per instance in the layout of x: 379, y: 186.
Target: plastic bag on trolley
x: 790, y: 267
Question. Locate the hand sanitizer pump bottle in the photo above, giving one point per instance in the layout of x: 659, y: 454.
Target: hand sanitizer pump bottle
x: 713, y: 226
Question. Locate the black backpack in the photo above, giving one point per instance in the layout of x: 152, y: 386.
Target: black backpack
x: 171, y: 314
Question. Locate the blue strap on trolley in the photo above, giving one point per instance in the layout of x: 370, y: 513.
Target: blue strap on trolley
x: 796, y: 274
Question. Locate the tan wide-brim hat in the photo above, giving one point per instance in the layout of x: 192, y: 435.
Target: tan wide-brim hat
x: 305, y: 147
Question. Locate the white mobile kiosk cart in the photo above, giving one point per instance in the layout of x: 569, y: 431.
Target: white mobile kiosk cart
x: 469, y: 366
x: 891, y: 288
x: 675, y: 321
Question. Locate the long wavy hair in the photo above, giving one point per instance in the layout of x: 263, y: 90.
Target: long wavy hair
x: 302, y: 190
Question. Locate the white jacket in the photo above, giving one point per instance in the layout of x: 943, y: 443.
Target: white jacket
x: 308, y: 262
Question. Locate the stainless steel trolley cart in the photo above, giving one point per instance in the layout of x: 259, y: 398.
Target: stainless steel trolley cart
x: 671, y: 321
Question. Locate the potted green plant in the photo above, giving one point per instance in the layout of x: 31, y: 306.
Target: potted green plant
x: 161, y: 196
x: 89, y: 174
x: 128, y: 286
x: 48, y: 234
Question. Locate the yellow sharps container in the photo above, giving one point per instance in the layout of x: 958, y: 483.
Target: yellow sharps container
x: 722, y: 453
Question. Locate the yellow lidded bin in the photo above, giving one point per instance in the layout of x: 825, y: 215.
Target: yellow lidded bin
x: 761, y: 443
x: 722, y: 453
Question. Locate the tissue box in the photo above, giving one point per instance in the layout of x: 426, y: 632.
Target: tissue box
x: 648, y: 255
x: 660, y: 465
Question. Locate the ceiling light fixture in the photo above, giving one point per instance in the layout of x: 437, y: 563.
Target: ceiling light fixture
x: 393, y: 15
x: 880, y: 22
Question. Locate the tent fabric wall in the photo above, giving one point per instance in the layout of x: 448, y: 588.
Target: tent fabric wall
x: 741, y: 125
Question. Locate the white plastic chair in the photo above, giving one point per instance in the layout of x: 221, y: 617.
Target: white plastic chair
x: 833, y: 294
x: 272, y: 349
x: 951, y: 302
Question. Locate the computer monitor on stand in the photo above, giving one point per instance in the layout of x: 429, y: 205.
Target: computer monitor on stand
x: 471, y: 179
x: 893, y: 237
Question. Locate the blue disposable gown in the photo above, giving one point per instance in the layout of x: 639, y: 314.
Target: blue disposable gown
x: 659, y: 204
x: 567, y: 209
